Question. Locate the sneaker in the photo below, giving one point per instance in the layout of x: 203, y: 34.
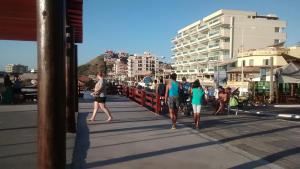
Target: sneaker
x: 173, y: 127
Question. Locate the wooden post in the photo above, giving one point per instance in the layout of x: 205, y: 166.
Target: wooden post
x: 76, y: 78
x: 70, y: 79
x: 158, y: 106
x: 143, y: 98
x: 127, y: 91
x: 51, y: 139
x: 133, y: 94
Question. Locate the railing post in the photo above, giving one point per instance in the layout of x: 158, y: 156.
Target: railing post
x: 133, y: 94
x: 143, y: 97
x: 127, y: 91
x: 158, y: 106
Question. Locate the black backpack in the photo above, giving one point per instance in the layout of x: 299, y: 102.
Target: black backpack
x: 161, y: 89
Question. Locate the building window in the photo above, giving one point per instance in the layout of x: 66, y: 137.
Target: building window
x: 276, y: 41
x: 266, y: 62
x: 277, y: 29
x: 251, y: 62
x: 227, y: 40
x: 243, y: 62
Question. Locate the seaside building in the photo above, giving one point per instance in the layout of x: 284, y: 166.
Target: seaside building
x: 120, y: 68
x: 16, y: 68
x: 140, y: 66
x: 201, y: 46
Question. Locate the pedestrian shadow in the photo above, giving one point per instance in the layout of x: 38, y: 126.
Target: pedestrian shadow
x: 260, y: 162
x: 270, y: 158
x: 151, y: 127
x: 82, y: 142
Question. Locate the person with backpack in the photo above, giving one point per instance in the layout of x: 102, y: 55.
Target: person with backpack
x: 161, y: 90
x: 198, y: 97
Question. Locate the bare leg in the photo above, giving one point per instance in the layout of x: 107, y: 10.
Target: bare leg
x: 198, y: 120
x: 219, y: 109
x: 195, y: 118
x: 106, y: 111
x: 94, y: 111
x: 173, y: 118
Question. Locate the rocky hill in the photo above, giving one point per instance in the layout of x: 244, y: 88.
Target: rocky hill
x: 92, y: 67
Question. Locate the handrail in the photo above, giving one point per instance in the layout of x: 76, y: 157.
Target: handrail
x: 144, y: 98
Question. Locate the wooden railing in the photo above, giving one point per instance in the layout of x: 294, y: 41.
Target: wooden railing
x: 144, y: 98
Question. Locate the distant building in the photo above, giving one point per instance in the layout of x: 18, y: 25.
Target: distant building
x: 164, y: 70
x: 140, y: 66
x: 16, y: 68
x: 201, y: 46
x: 250, y: 62
x: 120, y: 68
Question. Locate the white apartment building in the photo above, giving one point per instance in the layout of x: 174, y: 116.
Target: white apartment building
x: 201, y: 46
x: 140, y: 66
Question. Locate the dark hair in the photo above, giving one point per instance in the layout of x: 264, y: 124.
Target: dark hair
x: 161, y: 80
x: 173, y: 76
x: 183, y: 79
x: 155, y: 81
x: 101, y: 73
x: 196, y: 84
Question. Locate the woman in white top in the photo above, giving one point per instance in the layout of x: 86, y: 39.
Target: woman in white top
x: 100, y: 97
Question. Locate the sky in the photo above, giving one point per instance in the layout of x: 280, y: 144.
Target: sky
x: 136, y: 26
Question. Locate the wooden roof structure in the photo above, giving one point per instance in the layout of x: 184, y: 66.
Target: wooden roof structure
x: 18, y: 19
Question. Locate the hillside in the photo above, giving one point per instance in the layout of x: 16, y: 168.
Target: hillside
x: 92, y: 67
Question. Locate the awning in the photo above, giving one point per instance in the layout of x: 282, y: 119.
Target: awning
x: 18, y: 19
x: 288, y: 79
x: 227, y: 62
x: 257, y: 79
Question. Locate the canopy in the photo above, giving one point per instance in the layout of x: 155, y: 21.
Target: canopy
x: 18, y: 19
x: 289, y: 73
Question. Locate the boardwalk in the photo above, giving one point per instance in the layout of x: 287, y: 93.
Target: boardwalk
x: 138, y: 138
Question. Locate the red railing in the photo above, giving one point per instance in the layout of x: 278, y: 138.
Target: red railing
x: 147, y: 99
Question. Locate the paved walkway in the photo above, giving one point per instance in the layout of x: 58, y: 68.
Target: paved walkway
x: 18, y: 132
x: 140, y: 139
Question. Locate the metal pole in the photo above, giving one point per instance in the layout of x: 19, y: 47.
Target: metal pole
x: 271, y: 81
x: 70, y: 81
x: 51, y: 140
x: 242, y: 55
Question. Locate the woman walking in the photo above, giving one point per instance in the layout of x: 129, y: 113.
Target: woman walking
x: 172, y: 98
x: 197, y: 101
x: 100, y: 98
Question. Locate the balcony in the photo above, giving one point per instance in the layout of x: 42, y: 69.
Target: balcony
x: 203, y: 38
x: 225, y: 45
x: 215, y: 22
x: 214, y: 34
x: 193, y: 70
x: 213, y: 45
x: 202, y: 28
x: 225, y: 33
x: 202, y: 49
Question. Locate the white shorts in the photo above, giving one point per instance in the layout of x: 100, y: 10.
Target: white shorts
x: 196, y: 108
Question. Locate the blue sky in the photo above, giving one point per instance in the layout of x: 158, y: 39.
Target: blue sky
x: 136, y: 26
